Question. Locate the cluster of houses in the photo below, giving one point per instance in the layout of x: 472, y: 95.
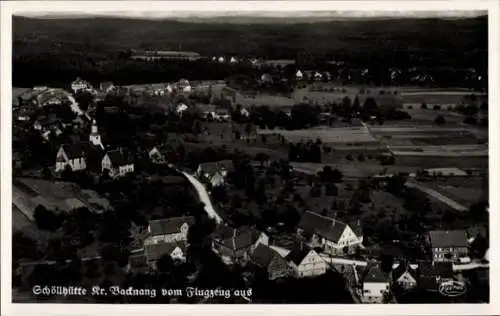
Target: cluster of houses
x: 94, y: 156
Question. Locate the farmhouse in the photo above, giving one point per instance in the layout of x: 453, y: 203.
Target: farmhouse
x: 235, y: 245
x: 374, y: 284
x: 215, y: 172
x: 80, y: 84
x: 305, y: 262
x: 117, y: 163
x: 446, y: 172
x: 175, y: 250
x: 328, y: 233
x: 271, y: 261
x: 72, y: 155
x: 168, y: 230
x: 106, y: 87
x: 405, y: 276
x: 448, y: 245
x: 299, y: 75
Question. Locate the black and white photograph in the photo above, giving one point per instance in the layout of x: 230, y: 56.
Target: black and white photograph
x: 255, y: 156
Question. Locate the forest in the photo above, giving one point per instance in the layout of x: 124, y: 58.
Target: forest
x: 56, y: 50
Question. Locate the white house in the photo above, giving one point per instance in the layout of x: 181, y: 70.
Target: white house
x: 233, y: 60
x: 72, y: 155
x: 318, y: 76
x: 79, y: 84
x: 181, y: 108
x: 117, y: 162
x: 374, y: 284
x: 405, y: 276
x: 244, y: 112
x: 168, y: 230
x: 221, y: 59
x: 169, y: 89
x: 305, y: 262
x: 299, y: 75
x: 184, y: 86
x: 328, y: 233
x: 215, y: 172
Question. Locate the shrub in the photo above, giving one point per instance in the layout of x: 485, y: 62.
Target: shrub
x: 424, y: 105
x: 436, y: 107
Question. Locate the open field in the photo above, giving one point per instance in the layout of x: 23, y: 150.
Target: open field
x: 327, y: 135
x: 424, y: 162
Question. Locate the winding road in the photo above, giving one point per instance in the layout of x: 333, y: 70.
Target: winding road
x: 204, y: 197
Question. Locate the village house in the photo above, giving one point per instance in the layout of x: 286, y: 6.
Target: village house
x: 215, y: 172
x: 181, y: 108
x: 221, y: 59
x: 448, y: 245
x: 330, y: 234
x: 72, y: 155
x: 106, y: 87
x: 117, y: 163
x: 168, y: 230
x: 374, y: 283
x: 299, y: 75
x: 271, y: 261
x: 235, y: 245
x: 305, y: 262
x: 80, y: 84
x: 233, y: 60
x: 175, y: 250
x: 404, y: 275
x: 183, y: 85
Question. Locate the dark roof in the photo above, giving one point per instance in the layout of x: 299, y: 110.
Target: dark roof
x: 237, y: 238
x: 76, y: 150
x: 374, y: 274
x: 213, y: 167
x: 326, y: 227
x: 437, y: 269
x: 297, y: 254
x: 401, y: 269
x: 119, y: 158
x: 105, y: 85
x: 155, y: 251
x: 169, y: 225
x: 448, y: 238
x: 138, y: 261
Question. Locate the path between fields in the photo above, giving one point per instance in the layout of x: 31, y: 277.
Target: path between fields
x: 438, y: 196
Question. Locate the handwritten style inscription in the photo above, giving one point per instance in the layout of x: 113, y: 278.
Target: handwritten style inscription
x: 148, y: 292
x: 452, y: 288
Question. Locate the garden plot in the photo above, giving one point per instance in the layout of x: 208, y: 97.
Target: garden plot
x: 327, y: 135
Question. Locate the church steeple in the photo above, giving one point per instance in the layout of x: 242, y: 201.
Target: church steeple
x: 95, y: 137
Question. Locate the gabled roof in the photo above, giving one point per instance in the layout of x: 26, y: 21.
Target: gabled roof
x: 325, y: 227
x: 119, y: 158
x: 264, y: 255
x: 237, y: 238
x: 155, y: 251
x: 297, y: 254
x: 448, y: 238
x: 402, y: 268
x: 213, y: 167
x: 106, y: 85
x: 169, y: 225
x: 77, y: 150
x: 374, y: 274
